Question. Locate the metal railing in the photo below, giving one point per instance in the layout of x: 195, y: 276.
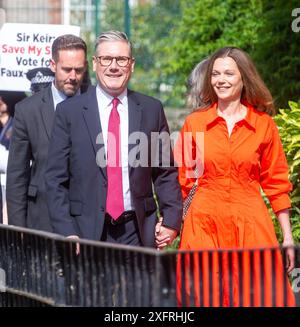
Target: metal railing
x: 42, y: 269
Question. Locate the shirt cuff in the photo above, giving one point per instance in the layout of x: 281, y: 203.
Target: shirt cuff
x: 280, y: 202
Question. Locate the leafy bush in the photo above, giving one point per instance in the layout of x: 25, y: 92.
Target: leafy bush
x: 288, y: 121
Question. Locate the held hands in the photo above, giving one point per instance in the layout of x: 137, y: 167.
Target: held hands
x: 163, y: 235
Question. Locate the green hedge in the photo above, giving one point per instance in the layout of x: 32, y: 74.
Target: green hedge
x: 288, y: 121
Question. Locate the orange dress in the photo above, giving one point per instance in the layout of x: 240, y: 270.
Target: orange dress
x: 228, y: 210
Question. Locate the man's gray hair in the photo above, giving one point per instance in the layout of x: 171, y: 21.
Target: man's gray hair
x: 113, y: 36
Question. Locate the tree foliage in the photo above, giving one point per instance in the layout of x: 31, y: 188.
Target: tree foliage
x: 171, y: 36
x: 260, y: 27
x: 277, y: 51
x: 288, y: 121
x: 151, y: 31
x: 205, y: 26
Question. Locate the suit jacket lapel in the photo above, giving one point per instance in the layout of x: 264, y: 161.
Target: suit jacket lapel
x: 135, y: 118
x: 92, y: 120
x: 47, y: 110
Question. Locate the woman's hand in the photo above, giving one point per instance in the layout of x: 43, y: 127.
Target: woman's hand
x: 289, y: 252
x: 288, y: 242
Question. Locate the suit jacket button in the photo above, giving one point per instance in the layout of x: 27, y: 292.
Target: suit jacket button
x: 104, y: 183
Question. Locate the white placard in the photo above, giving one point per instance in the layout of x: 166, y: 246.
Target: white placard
x: 24, y: 47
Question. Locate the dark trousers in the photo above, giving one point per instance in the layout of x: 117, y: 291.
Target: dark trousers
x: 121, y: 233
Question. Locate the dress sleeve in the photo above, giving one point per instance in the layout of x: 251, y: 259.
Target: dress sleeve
x: 274, y: 171
x: 184, y: 153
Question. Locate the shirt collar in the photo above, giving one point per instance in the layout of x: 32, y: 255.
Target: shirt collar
x: 106, y: 99
x: 59, y: 96
x: 249, y: 120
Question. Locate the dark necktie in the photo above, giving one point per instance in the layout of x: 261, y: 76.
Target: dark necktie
x: 114, y: 200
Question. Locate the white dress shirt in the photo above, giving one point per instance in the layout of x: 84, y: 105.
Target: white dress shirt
x: 105, y: 106
x: 57, y: 96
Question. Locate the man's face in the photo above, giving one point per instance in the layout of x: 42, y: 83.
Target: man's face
x: 69, y: 70
x: 113, y: 78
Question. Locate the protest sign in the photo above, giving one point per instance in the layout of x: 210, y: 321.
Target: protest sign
x: 24, y: 47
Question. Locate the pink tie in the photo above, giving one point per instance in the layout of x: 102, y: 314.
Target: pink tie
x: 114, y: 200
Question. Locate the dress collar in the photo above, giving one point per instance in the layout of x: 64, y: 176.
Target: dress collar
x: 214, y: 118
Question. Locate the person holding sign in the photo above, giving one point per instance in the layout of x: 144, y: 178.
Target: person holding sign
x: 26, y: 198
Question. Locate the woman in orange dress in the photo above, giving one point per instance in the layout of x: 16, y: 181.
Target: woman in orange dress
x: 235, y: 146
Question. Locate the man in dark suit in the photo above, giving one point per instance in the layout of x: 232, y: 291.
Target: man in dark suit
x: 26, y: 198
x: 99, y: 175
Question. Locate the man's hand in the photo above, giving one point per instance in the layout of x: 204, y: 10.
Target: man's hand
x: 163, y: 235
x: 75, y: 237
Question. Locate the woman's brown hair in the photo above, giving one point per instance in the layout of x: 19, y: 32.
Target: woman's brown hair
x: 255, y: 92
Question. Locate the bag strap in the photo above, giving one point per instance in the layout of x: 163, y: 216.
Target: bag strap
x: 187, y: 202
